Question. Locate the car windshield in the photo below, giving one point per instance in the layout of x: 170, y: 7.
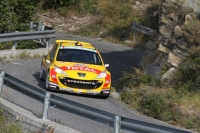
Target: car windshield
x: 79, y: 56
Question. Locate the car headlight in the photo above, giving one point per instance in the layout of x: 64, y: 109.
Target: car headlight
x: 102, y: 74
x: 58, y: 70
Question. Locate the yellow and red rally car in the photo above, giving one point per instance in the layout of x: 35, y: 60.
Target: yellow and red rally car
x: 75, y: 67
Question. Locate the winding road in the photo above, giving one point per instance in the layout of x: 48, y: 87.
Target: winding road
x: 119, y: 57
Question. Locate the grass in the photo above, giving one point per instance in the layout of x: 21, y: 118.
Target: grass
x: 7, y: 126
x: 192, y: 31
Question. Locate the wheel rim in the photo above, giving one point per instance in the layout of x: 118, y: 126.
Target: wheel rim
x: 47, y: 81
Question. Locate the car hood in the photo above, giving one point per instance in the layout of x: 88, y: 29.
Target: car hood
x: 79, y: 70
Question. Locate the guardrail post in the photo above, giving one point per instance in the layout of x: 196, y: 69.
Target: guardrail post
x: 15, y: 44
x: 117, y: 124
x: 31, y: 25
x: 2, y: 74
x: 46, y: 105
x: 43, y: 26
x: 47, y: 43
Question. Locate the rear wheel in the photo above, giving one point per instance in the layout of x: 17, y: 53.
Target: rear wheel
x: 42, y: 73
x: 47, y: 81
x: 105, y: 96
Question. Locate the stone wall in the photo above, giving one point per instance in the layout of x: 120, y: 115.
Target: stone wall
x: 170, y: 49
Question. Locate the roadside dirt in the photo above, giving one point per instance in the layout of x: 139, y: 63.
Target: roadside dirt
x: 65, y: 24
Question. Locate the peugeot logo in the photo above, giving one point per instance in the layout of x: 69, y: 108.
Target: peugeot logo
x: 81, y: 74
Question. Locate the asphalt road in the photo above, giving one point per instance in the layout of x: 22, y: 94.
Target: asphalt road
x: 119, y: 57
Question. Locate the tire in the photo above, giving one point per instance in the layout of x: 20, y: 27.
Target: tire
x: 47, y: 81
x: 42, y: 73
x: 105, y: 96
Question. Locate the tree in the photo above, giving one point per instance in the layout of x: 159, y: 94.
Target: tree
x: 15, y: 13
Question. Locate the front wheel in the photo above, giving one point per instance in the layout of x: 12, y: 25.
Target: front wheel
x: 42, y: 73
x: 47, y: 81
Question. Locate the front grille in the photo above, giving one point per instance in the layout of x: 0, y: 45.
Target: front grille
x: 81, y: 84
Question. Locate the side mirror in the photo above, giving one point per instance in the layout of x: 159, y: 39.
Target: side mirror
x: 106, y: 65
x: 48, y: 61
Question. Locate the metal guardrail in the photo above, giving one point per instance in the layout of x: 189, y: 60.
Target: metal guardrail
x: 39, y: 33
x: 145, y: 30
x: 119, y: 123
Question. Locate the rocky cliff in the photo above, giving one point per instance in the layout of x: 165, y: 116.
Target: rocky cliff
x: 171, y: 48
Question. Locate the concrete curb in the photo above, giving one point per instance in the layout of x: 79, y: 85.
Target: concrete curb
x: 30, y: 52
x: 29, y: 122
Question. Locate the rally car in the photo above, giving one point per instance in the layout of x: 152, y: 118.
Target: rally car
x: 75, y: 67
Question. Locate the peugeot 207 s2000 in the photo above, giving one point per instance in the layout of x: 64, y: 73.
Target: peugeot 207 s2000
x: 75, y: 67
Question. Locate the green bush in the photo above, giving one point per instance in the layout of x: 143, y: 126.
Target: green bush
x: 114, y: 20
x: 192, y: 31
x: 131, y: 97
x: 156, y: 106
x: 183, y: 77
x: 127, y: 80
x: 150, y: 80
x: 6, y: 126
x: 6, y: 45
x: 29, y: 44
x: 56, y: 4
x: 15, y: 13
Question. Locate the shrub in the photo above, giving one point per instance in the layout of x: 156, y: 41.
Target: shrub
x: 132, y: 98
x: 184, y: 78
x: 15, y: 13
x: 150, y: 16
x: 55, y: 4
x: 114, y: 20
x: 27, y: 45
x: 127, y: 80
x: 6, y: 126
x: 6, y: 45
x: 192, y: 32
x: 156, y: 106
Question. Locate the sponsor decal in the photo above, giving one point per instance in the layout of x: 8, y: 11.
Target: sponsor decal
x: 81, y: 82
x: 93, y: 91
x: 77, y: 47
x: 67, y: 89
x: 80, y: 65
x: 81, y: 69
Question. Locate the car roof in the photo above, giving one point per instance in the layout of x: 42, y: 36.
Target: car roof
x: 72, y: 43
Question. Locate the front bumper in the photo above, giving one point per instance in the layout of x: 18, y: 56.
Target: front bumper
x: 102, y: 92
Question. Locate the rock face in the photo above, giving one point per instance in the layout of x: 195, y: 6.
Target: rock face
x: 172, y: 49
